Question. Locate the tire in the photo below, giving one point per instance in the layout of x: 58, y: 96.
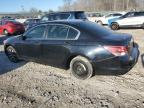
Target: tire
x: 6, y: 33
x: 100, y: 22
x: 12, y: 54
x: 81, y: 68
x: 114, y: 26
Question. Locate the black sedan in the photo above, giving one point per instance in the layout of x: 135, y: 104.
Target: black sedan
x: 82, y: 46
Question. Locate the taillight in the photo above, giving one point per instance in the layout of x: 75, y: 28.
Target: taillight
x: 117, y: 50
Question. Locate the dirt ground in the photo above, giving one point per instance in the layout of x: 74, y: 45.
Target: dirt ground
x: 32, y: 85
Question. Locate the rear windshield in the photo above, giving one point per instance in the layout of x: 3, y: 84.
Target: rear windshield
x: 95, y: 29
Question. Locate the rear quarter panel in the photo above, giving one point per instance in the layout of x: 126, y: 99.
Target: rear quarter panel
x: 91, y: 50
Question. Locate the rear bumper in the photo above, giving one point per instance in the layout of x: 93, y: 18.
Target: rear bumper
x: 117, y: 65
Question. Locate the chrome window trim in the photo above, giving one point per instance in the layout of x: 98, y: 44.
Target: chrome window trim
x: 46, y: 33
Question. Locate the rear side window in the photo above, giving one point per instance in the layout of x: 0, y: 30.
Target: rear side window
x: 61, y: 32
x: 57, y: 32
x: 72, y: 33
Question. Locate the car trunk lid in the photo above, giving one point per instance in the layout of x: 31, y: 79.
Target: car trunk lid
x: 118, y: 44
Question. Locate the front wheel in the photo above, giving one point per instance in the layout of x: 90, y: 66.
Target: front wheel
x: 81, y: 68
x: 114, y: 26
x: 12, y: 54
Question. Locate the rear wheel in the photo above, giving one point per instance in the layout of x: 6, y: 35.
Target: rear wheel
x: 81, y: 68
x: 114, y: 26
x: 12, y: 54
x: 5, y: 32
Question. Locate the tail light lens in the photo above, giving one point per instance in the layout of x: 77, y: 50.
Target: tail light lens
x: 117, y: 50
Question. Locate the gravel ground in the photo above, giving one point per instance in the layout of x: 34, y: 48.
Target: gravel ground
x: 32, y: 85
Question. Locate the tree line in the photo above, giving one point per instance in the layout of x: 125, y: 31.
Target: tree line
x: 102, y: 5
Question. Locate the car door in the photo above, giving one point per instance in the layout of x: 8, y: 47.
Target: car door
x: 139, y: 18
x: 30, y: 46
x: 57, y: 46
x: 127, y: 19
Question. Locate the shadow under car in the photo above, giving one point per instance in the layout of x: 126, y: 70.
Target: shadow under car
x: 7, y: 66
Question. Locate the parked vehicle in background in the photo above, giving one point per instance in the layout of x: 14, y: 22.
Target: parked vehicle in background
x: 64, y: 16
x: 11, y: 27
x: 31, y: 21
x: 93, y: 16
x: 21, y: 20
x: 129, y: 20
x: 104, y: 19
x: 70, y: 15
x: 7, y: 18
x: 82, y: 46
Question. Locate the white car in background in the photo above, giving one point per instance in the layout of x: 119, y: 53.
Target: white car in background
x: 93, y: 16
x: 129, y: 20
x: 104, y: 20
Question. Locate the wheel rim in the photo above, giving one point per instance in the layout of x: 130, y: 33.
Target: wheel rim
x: 114, y: 27
x: 80, y: 70
x: 11, y: 53
x: 5, y: 32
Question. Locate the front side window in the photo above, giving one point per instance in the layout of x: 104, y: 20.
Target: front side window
x: 130, y: 14
x: 61, y: 32
x: 36, y: 33
x: 57, y: 32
